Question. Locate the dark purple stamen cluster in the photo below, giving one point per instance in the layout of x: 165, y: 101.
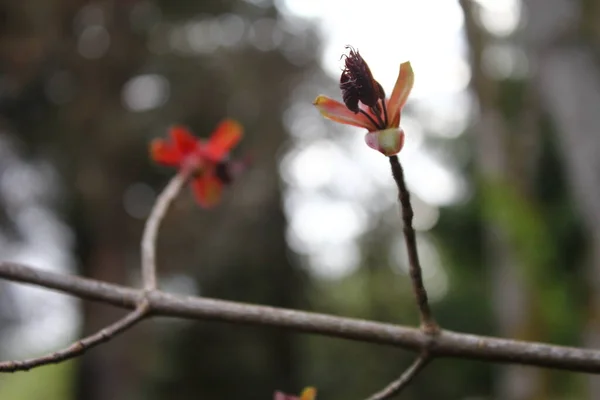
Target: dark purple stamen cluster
x: 358, y: 85
x: 227, y: 171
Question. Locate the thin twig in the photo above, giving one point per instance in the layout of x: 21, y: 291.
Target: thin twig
x: 428, y: 324
x: 396, y: 386
x: 444, y: 344
x: 82, y: 345
x: 142, y: 307
x: 161, y: 206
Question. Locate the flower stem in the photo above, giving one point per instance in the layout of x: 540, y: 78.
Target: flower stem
x: 428, y: 323
x: 161, y: 206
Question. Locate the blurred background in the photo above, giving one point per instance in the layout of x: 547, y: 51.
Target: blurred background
x: 501, y: 155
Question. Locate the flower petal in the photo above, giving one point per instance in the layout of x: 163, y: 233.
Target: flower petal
x: 336, y: 111
x: 282, y: 396
x: 185, y: 142
x: 207, y: 189
x: 402, y: 88
x: 227, y: 134
x: 164, y: 153
x: 309, y: 393
x: 388, y: 142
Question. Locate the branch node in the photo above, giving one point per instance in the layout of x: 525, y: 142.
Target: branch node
x: 430, y: 328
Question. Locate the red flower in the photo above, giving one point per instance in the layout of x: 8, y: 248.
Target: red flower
x: 205, y: 160
x: 365, y: 104
x: 309, y: 393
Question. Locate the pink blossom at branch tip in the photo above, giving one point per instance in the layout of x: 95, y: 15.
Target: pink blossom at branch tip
x: 365, y: 106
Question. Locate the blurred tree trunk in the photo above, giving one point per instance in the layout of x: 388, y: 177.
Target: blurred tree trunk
x: 97, y: 167
x: 503, y: 161
x: 41, y: 43
x: 563, y: 40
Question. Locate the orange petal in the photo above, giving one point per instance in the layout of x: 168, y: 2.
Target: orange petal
x: 389, y: 141
x: 207, y: 190
x: 185, y: 142
x: 164, y: 153
x: 336, y: 111
x: 402, y: 88
x: 309, y: 393
x: 227, y: 134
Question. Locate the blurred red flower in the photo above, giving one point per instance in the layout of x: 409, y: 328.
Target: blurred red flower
x: 206, y: 161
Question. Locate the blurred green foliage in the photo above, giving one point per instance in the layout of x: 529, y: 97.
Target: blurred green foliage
x: 53, y: 382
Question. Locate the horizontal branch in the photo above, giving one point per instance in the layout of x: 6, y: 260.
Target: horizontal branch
x: 444, y: 344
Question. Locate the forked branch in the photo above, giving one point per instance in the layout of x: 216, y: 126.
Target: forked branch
x: 142, y: 304
x: 444, y: 344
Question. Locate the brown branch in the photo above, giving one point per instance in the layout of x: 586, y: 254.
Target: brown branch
x: 142, y: 304
x: 396, y: 386
x: 428, y: 324
x: 444, y: 344
x: 82, y: 345
x: 161, y: 206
